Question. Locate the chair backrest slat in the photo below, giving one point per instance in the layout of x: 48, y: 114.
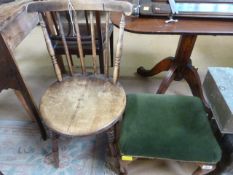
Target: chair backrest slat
x: 79, y: 42
x: 99, y: 36
x: 119, y: 47
x: 93, y: 43
x: 53, y: 18
x: 87, y: 23
x: 62, y: 33
x: 50, y: 48
x: 50, y: 25
x: 106, y: 45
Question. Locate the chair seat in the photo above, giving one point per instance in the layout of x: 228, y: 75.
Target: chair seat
x: 81, y: 106
x: 167, y: 127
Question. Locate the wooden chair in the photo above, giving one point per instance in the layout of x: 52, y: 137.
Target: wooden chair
x: 83, y: 104
x: 167, y: 127
x: 52, y: 26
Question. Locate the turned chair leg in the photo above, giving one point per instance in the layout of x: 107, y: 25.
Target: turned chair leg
x: 55, y: 149
x: 111, y: 141
x: 204, y: 169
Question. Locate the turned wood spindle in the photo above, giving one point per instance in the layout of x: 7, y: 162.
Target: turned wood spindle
x: 50, y: 48
x: 64, y: 43
x: 79, y: 42
x: 93, y: 44
x: 119, y: 48
x: 106, y: 46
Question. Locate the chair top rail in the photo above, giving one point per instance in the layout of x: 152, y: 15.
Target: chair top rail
x: 95, y: 5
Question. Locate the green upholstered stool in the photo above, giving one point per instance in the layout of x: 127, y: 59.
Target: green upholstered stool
x: 168, y: 127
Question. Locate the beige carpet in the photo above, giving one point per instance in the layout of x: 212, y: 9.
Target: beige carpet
x: 146, y: 50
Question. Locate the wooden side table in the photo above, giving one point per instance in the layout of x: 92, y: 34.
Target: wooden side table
x: 180, y: 66
x: 15, y: 25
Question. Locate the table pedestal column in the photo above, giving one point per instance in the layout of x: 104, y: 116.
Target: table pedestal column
x: 179, y: 67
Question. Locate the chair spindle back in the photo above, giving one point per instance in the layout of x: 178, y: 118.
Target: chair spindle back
x: 62, y: 33
x: 50, y: 48
x: 93, y: 44
x: 90, y: 6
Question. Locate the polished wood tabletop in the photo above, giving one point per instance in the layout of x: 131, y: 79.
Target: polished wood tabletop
x: 197, y: 26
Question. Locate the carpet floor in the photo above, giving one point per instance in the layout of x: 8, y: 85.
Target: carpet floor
x: 24, y: 153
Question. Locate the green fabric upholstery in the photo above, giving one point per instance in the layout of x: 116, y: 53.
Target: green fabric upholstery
x: 167, y: 126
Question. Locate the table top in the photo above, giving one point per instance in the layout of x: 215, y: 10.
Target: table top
x: 197, y: 26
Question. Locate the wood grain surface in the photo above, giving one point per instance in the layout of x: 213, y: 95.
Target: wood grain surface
x: 15, y: 24
x: 183, y: 26
x: 9, y: 11
x: 82, y: 106
x: 100, y: 5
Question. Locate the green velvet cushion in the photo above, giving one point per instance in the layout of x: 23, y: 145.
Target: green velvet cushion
x: 167, y: 126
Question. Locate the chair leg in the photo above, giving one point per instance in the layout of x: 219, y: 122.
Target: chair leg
x: 204, y: 169
x: 111, y: 141
x: 55, y: 149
